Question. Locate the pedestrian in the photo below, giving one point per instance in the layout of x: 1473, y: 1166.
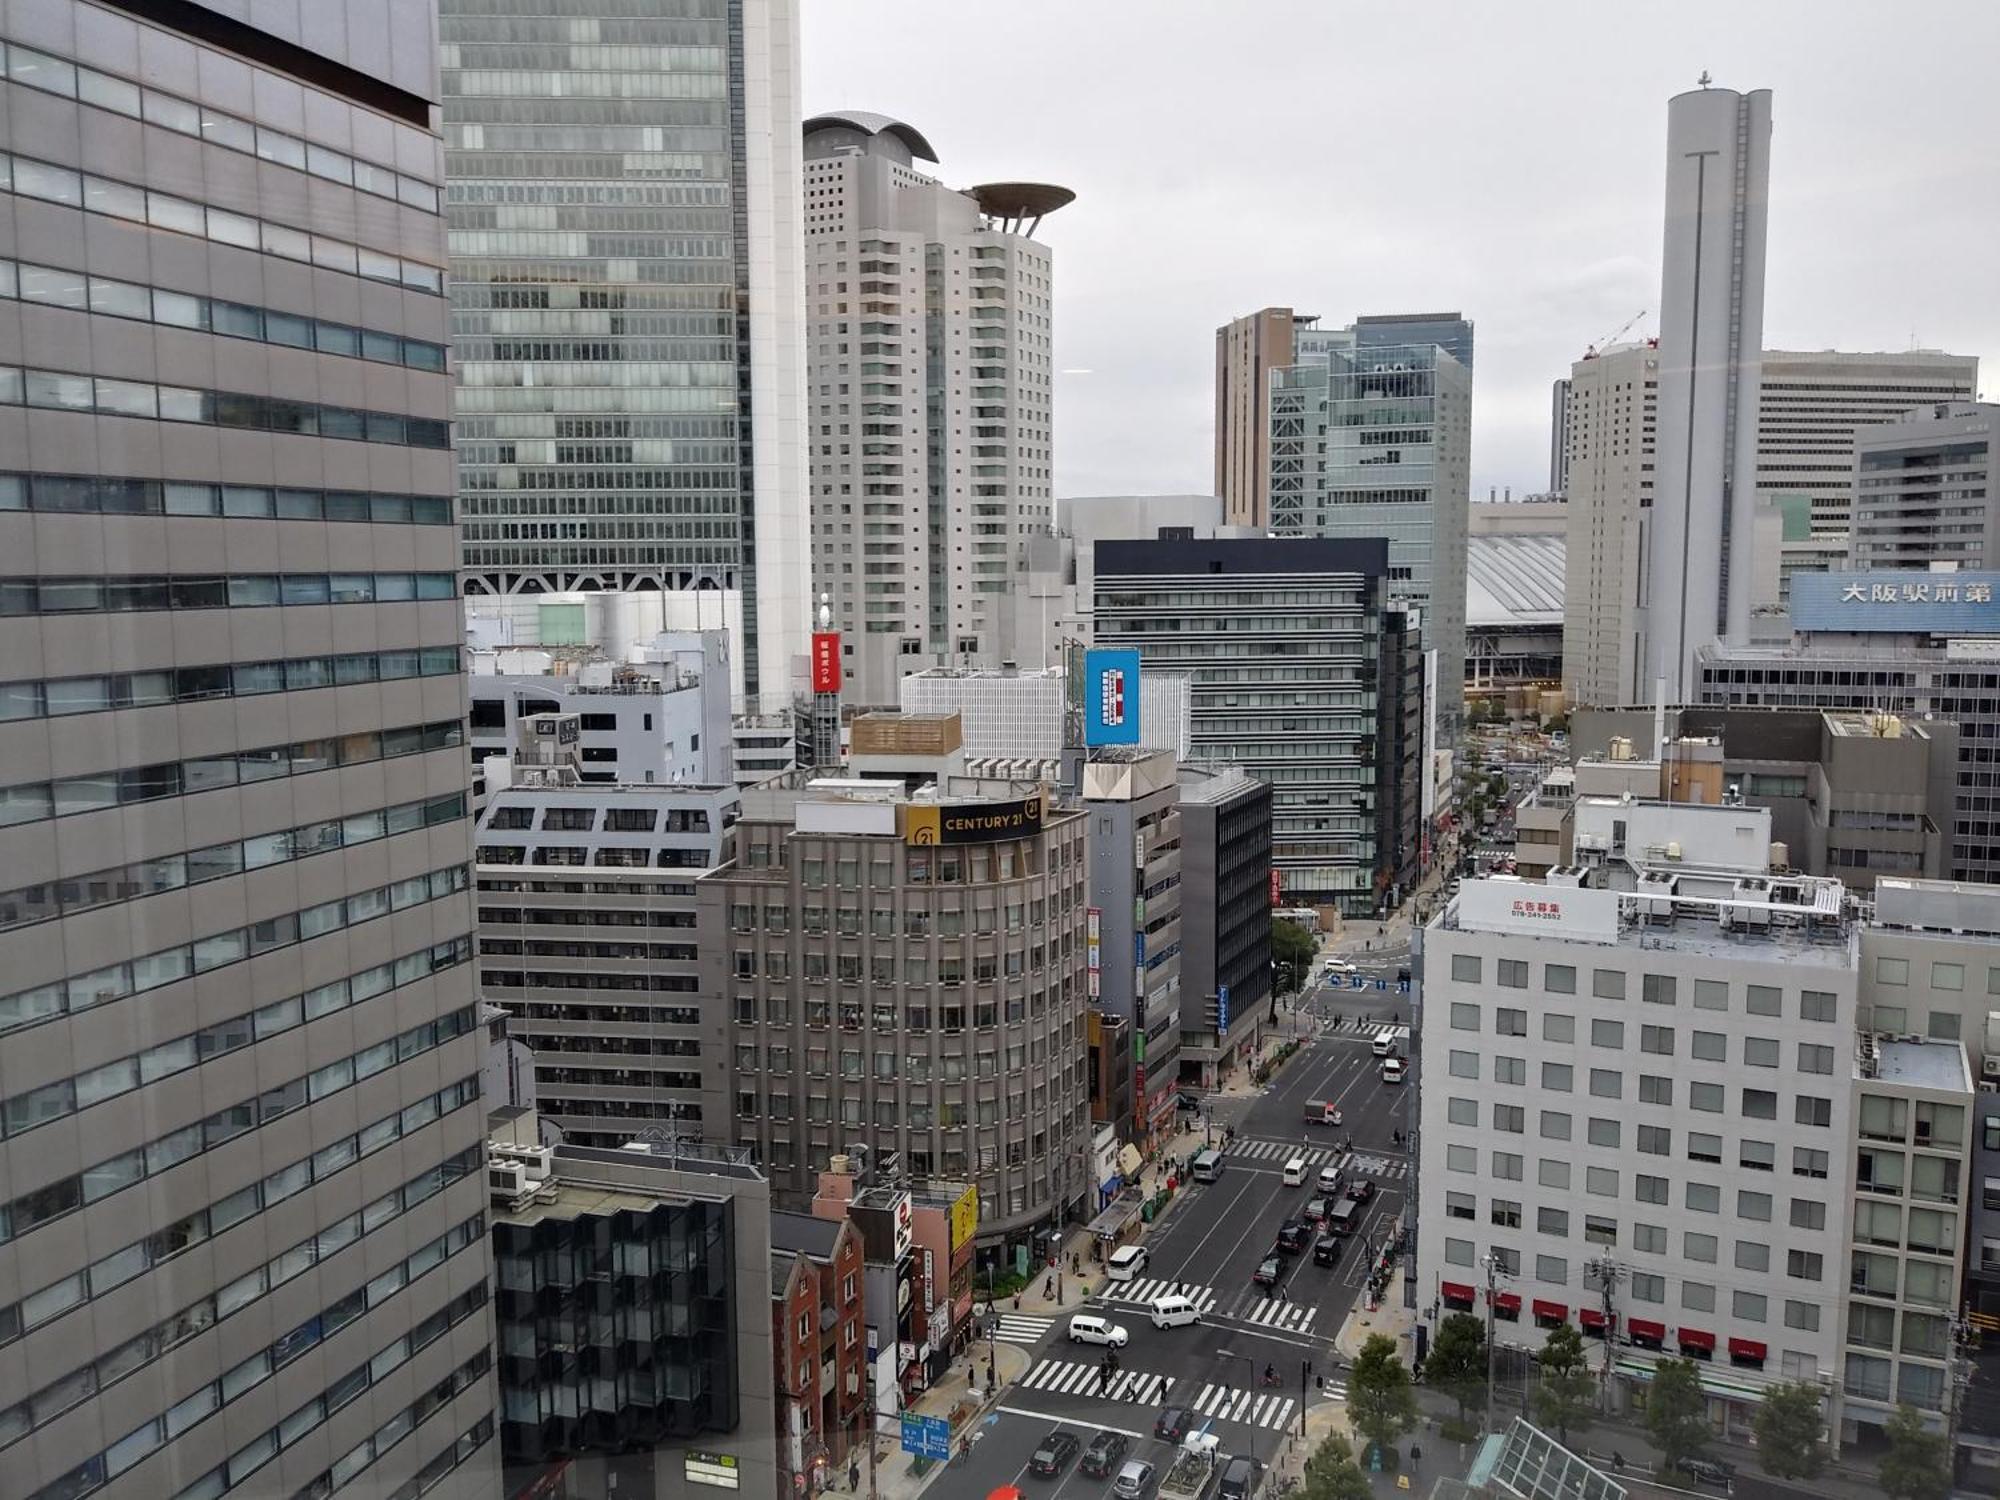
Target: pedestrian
x: 1048, y: 1286
x: 854, y: 1476
x: 1180, y: 1288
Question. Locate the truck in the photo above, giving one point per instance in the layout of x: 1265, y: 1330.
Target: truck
x: 1322, y: 1112
x: 1195, y: 1469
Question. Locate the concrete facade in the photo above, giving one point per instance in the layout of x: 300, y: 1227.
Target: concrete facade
x: 242, y: 1243
x: 628, y: 310
x: 930, y: 370
x: 1927, y: 490
x: 1225, y: 920
x: 1247, y: 350
x: 1613, y: 404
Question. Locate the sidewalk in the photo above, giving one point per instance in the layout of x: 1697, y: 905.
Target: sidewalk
x: 960, y: 1391
x: 1391, y: 1318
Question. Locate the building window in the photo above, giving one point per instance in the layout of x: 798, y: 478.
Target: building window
x: 1465, y: 968
x: 1607, y: 1033
x: 1655, y: 1089
x: 1760, y: 1104
x: 1704, y: 1198
x: 1555, y: 1125
x: 1607, y: 1083
x: 1711, y: 994
x: 1560, y: 979
x: 1512, y: 974
x: 1649, y: 1239
x: 1463, y: 1064
x: 1558, y: 1028
x: 1608, y: 984
x: 1464, y: 1017
x: 1557, y: 1077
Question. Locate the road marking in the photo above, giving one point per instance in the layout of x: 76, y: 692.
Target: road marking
x: 1021, y: 1328
x: 1062, y: 1421
x: 1144, y: 1292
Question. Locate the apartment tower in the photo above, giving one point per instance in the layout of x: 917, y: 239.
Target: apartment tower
x: 930, y: 348
x: 626, y: 313
x: 1247, y: 350
x: 1610, y: 412
x: 1699, y: 573
x: 242, y: 1196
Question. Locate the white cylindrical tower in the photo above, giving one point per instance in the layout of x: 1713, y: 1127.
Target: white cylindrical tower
x: 1699, y: 579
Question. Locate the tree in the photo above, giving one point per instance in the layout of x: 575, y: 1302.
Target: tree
x: 1456, y: 1364
x: 1567, y: 1395
x: 1332, y: 1473
x: 1677, y: 1411
x: 1293, y: 950
x: 1791, y: 1433
x: 1917, y: 1465
x: 1380, y: 1404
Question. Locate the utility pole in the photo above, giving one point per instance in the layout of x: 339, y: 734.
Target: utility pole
x: 1607, y: 1271
x: 1492, y: 1264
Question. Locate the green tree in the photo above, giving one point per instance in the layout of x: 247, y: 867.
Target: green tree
x: 1381, y: 1406
x: 1677, y: 1411
x: 1917, y: 1465
x: 1293, y: 950
x: 1332, y: 1474
x: 1456, y: 1364
x: 1791, y: 1433
x: 1566, y: 1397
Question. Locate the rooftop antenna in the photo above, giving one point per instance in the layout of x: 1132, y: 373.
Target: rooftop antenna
x: 1704, y: 80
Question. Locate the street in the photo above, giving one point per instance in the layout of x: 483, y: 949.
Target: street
x: 1209, y: 1248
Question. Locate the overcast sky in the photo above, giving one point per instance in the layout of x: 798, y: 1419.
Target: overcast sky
x: 1504, y: 160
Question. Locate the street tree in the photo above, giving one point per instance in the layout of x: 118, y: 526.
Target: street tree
x: 1456, y: 1363
x: 1293, y: 950
x: 1565, y: 1398
x: 1332, y: 1473
x: 1677, y: 1411
x: 1381, y: 1405
x: 1791, y: 1433
x: 1917, y: 1465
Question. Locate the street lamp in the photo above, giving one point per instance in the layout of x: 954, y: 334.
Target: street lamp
x: 1250, y: 1362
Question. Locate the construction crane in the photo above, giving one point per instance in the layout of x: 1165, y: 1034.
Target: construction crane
x: 1590, y: 350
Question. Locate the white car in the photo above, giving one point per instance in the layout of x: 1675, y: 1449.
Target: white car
x: 1338, y: 966
x: 1126, y: 1262
x: 1392, y: 1070
x: 1088, y: 1328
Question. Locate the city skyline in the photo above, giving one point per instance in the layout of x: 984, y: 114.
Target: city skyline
x: 1566, y: 268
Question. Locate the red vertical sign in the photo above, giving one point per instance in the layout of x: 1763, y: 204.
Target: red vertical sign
x: 826, y: 661
x: 1277, y: 891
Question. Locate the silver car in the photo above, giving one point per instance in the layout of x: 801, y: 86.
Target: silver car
x: 1134, y: 1481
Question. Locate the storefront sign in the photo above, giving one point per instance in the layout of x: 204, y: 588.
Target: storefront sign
x: 964, y: 1218
x: 716, y: 1470
x: 826, y: 661
x: 1111, y: 698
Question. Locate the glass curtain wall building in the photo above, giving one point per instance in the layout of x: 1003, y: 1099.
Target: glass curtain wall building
x: 627, y: 296
x: 243, y: 1248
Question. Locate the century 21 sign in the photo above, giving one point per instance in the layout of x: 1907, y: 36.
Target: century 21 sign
x: 970, y: 822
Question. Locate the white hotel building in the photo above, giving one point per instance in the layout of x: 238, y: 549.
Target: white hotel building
x: 1645, y: 1104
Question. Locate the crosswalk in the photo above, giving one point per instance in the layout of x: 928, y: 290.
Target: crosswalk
x: 1070, y: 1377
x: 1269, y: 1312
x: 1226, y: 1403
x: 1020, y: 1328
x: 1140, y: 1293
x: 1251, y: 1148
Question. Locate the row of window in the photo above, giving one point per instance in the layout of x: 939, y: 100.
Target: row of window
x: 57, y: 75
x: 122, y: 200
x: 55, y: 286
x: 151, y: 971
x: 1658, y: 1041
x: 58, y: 697
x: 56, y: 390
x: 1654, y: 989
x: 36, y: 800
x: 57, y: 1396
x: 171, y: 872
x: 95, y: 494
x: 145, y: 591
x: 161, y: 1245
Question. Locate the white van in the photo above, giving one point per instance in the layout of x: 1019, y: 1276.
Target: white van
x: 1330, y: 1181
x: 1392, y: 1070
x: 1383, y: 1046
x: 1295, y: 1172
x: 1174, y: 1311
x: 1126, y: 1262
x: 1088, y: 1328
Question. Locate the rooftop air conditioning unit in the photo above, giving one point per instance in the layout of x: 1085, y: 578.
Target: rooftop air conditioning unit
x: 1988, y: 1086
x: 1990, y: 1065
x: 506, y: 1179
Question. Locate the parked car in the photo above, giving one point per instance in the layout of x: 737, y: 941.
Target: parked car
x: 1126, y: 1262
x: 1134, y: 1481
x: 1361, y: 1189
x: 1712, y: 1472
x: 1088, y: 1328
x: 1105, y: 1453
x: 1053, y: 1456
x: 1172, y: 1424
x: 1270, y: 1272
x: 1315, y: 1210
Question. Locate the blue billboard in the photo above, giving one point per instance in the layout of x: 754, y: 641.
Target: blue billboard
x: 1923, y: 603
x: 1111, y: 697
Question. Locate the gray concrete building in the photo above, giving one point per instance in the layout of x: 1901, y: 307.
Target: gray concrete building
x: 1927, y: 490
x: 587, y: 937
x: 905, y: 971
x: 628, y: 325
x: 1613, y: 403
x: 242, y: 1237
x: 930, y: 361
x: 1225, y: 921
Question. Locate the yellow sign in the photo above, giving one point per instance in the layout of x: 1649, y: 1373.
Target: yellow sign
x: 970, y: 822
x: 1402, y: 1481
x: 964, y: 1218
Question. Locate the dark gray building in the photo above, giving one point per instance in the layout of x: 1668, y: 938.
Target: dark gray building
x: 242, y: 1207
x: 1225, y: 920
x: 1285, y: 643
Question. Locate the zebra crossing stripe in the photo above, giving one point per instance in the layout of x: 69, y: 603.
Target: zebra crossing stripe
x: 1281, y: 1415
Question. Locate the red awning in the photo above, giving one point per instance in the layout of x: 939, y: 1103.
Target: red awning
x: 1590, y: 1317
x: 1507, y: 1301
x: 1553, y: 1310
x: 1746, y: 1349
x: 1645, y: 1328
x: 1694, y: 1338
x: 1457, y: 1291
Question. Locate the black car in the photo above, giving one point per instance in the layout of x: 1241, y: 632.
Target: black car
x: 1270, y: 1272
x: 1106, y: 1451
x: 1326, y: 1250
x: 1239, y: 1478
x: 1293, y: 1236
x: 1057, y: 1449
x: 1712, y: 1472
x: 1172, y: 1424
x: 1315, y: 1210
x: 1361, y: 1190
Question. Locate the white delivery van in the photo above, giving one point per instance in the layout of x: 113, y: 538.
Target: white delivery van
x: 1295, y: 1172
x: 1126, y: 1262
x: 1392, y: 1070
x: 1174, y: 1311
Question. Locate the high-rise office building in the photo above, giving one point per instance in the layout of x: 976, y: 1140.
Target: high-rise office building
x: 1372, y: 438
x: 242, y: 1196
x: 1927, y: 490
x: 627, y: 311
x: 1559, y: 399
x: 930, y: 362
x: 1699, y: 585
x: 1612, y: 395
x: 1247, y: 350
